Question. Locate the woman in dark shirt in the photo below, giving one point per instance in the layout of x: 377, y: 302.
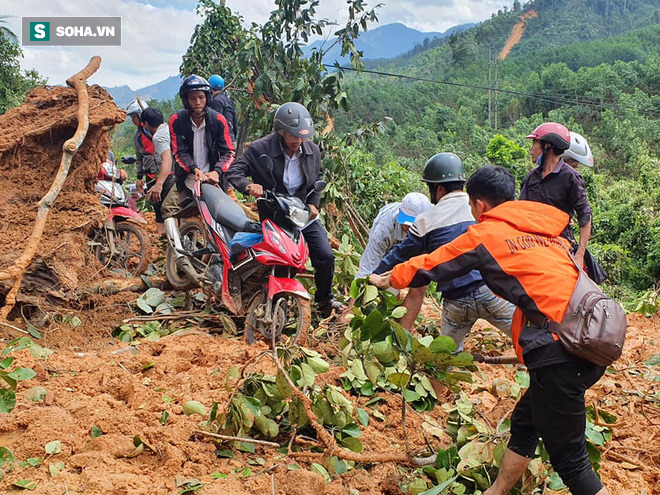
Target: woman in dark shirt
x: 556, y: 183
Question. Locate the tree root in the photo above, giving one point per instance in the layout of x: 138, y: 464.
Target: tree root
x: 71, y: 146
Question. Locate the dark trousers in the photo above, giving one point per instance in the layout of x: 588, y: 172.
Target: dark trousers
x: 553, y: 409
x: 323, y: 260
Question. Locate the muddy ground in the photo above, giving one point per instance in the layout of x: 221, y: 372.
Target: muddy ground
x: 91, y: 380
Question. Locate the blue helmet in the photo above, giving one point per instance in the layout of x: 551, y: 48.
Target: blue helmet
x: 217, y: 82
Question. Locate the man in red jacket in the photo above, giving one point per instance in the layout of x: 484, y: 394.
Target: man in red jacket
x: 516, y: 247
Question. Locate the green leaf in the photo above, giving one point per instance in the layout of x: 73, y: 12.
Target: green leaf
x: 7, y: 400
x: 352, y: 443
x: 32, y: 330
x: 54, y: 469
x: 399, y: 312
x: 144, y: 306
x: 22, y: 374
x: 373, y: 371
x: 318, y: 364
x: 6, y: 363
x: 363, y: 417
x: 370, y: 293
x: 443, y: 344
x: 218, y: 476
x: 352, y: 430
x: 154, y: 297
x: 317, y: 468
x: 399, y: 380
x: 358, y: 370
x: 25, y: 484
x: 372, y: 324
x: 283, y: 385
x: 436, y: 490
x: 410, y: 395
x: 193, y: 407
x: 522, y: 379
x: 54, y: 447
x: 96, y: 431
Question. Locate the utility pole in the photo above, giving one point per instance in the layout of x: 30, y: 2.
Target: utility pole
x: 490, y: 82
x: 496, y: 81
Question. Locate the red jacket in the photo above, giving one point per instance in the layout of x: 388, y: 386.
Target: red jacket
x: 521, y: 258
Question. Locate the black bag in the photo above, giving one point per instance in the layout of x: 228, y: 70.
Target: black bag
x: 594, y: 270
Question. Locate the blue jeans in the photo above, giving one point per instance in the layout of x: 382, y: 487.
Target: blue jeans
x: 459, y: 315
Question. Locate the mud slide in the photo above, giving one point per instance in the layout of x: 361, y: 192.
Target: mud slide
x: 517, y: 33
x: 31, y: 139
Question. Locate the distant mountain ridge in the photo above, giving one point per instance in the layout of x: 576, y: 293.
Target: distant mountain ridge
x: 163, y: 90
x: 384, y: 42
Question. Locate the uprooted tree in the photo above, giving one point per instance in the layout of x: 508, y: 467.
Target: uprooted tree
x: 50, y: 151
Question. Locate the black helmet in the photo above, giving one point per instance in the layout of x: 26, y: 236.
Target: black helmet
x: 194, y: 83
x: 294, y: 118
x: 443, y: 167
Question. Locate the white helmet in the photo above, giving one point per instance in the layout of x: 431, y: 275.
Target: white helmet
x: 412, y: 205
x: 135, y: 107
x: 579, y: 150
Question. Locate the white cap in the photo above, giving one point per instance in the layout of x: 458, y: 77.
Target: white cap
x: 412, y: 205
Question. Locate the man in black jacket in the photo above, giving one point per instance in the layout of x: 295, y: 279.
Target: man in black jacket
x: 296, y: 167
x: 221, y: 103
x: 202, y: 149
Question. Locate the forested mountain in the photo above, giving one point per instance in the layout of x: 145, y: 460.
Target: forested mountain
x: 593, y: 65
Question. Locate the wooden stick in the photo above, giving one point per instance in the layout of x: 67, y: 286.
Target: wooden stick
x: 237, y: 439
x: 71, y: 146
x: 15, y: 328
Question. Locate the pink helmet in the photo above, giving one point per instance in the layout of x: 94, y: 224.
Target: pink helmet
x: 555, y: 134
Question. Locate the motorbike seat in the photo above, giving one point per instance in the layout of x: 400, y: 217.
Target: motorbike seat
x: 223, y: 209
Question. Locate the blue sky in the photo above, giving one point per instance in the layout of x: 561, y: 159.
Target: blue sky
x: 156, y: 33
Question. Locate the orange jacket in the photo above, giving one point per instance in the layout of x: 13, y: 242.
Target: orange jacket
x: 516, y: 248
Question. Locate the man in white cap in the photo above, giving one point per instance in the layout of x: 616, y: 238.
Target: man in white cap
x: 389, y: 228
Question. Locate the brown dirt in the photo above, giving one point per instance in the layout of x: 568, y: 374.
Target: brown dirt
x: 517, y: 33
x: 31, y: 139
x: 126, y: 393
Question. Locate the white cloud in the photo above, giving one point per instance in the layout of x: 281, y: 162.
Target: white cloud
x: 156, y: 33
x: 153, y: 41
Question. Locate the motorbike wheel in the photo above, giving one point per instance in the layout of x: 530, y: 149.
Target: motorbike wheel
x: 291, y: 314
x: 193, y: 238
x: 132, y: 256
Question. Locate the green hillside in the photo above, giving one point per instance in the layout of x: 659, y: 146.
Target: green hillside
x: 593, y: 65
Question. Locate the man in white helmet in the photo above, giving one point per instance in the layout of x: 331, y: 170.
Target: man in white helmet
x: 145, y: 162
x: 579, y: 153
x: 389, y: 228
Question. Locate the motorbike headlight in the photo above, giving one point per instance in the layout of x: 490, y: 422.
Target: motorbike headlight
x: 299, y: 216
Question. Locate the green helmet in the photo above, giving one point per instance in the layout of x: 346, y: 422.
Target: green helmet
x: 443, y: 167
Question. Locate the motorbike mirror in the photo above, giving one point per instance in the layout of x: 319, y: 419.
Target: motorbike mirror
x: 128, y: 160
x: 319, y: 185
x: 266, y: 162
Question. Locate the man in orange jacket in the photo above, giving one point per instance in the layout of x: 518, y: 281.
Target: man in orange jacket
x: 516, y: 247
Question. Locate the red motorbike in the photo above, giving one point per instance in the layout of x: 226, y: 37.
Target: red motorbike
x: 249, y: 267
x: 120, y: 244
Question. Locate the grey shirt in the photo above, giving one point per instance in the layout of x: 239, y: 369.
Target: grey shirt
x: 385, y: 233
x: 161, y: 140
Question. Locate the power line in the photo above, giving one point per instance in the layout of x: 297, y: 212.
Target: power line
x: 537, y: 96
